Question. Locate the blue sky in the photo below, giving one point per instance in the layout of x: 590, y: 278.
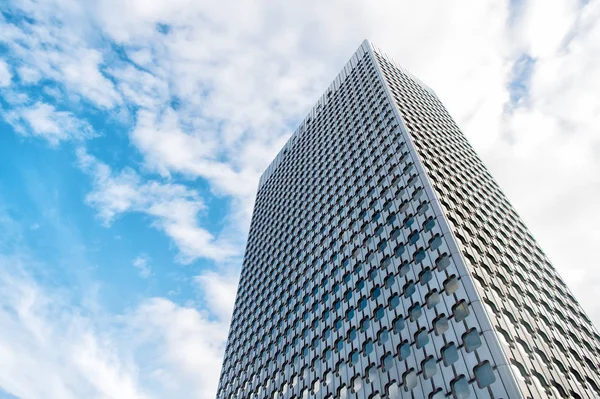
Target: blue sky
x: 133, y: 134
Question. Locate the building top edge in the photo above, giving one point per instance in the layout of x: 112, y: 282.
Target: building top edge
x: 365, y: 47
x: 358, y: 55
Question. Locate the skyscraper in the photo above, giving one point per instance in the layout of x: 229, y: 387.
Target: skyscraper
x: 385, y: 262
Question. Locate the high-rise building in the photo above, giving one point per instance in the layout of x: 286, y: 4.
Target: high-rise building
x: 385, y: 262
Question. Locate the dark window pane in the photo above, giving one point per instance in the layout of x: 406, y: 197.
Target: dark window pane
x: 449, y: 354
x: 484, y: 374
x: 471, y: 340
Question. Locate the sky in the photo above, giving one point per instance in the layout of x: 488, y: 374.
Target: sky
x: 133, y: 134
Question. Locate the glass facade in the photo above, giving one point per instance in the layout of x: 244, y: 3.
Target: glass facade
x: 383, y: 261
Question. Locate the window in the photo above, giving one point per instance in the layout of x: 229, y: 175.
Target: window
x: 519, y: 370
x: 356, y: 384
x: 350, y: 314
x: 451, y: 285
x: 449, y: 354
x: 460, y: 387
x: 338, y: 324
x: 387, y: 362
x: 365, y: 324
x: 440, y: 324
x: 404, y: 269
x: 429, y: 224
x: 391, y: 219
x: 433, y: 298
x: 348, y: 295
x: 423, y: 208
x: 471, y: 340
x: 399, y: 325
x: 352, y: 333
x: 442, y: 262
x: 414, y: 237
x: 409, y: 289
x: 436, y: 242
x: 460, y: 311
x: 383, y: 336
x: 415, y: 311
x: 362, y: 304
x: 379, y: 313
x: 337, y: 305
x: 353, y: 358
x: 484, y: 374
x: 410, y: 379
x: 421, y: 338
x: 399, y: 250
x: 429, y: 367
x: 375, y: 293
x: 420, y: 255
x: 404, y: 350
x: 368, y: 347
x: 389, y: 281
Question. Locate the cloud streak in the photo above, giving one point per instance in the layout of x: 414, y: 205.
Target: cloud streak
x: 5, y: 74
x: 43, y: 120
x: 174, y: 208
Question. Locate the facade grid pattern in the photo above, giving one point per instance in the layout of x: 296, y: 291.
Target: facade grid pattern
x: 383, y: 261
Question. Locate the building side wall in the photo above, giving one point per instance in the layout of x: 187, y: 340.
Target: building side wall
x: 351, y: 285
x: 550, y: 343
x: 510, y: 384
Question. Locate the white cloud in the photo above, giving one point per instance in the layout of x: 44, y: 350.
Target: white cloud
x: 43, y: 120
x: 185, y: 345
x: 545, y: 33
x: 60, y: 342
x: 219, y: 289
x: 141, y: 263
x: 168, y: 149
x: 54, y: 348
x: 49, y: 349
x: 143, y: 57
x: 174, y: 208
x: 59, y: 51
x: 5, y: 74
x: 29, y: 75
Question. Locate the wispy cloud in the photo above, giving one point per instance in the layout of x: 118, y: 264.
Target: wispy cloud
x: 45, y: 336
x: 219, y: 289
x: 187, y: 347
x: 175, y: 209
x: 43, y: 120
x: 58, y: 51
x: 157, y: 350
x: 5, y: 74
x: 28, y: 75
x: 61, y: 344
x: 141, y: 263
